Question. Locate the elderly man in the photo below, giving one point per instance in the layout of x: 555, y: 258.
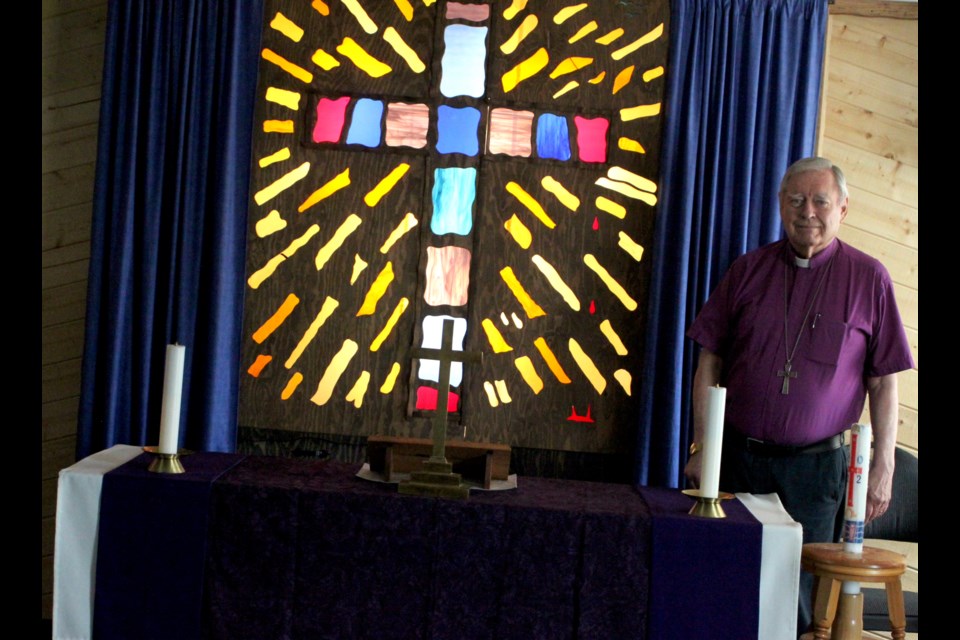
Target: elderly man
x: 800, y: 332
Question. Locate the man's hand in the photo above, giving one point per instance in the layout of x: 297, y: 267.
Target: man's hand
x: 879, y: 488
x: 693, y: 469
x: 883, y: 400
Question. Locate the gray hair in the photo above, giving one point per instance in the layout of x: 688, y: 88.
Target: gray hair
x: 815, y: 164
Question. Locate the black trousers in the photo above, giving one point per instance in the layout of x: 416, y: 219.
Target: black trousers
x: 811, y: 487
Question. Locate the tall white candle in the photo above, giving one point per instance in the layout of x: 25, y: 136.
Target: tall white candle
x: 712, y: 442
x: 855, y: 503
x: 172, y: 391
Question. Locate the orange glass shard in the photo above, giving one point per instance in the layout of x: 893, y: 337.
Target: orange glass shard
x: 287, y: 27
x: 649, y: 37
x: 282, y: 183
x: 494, y: 337
x: 294, y: 70
x: 321, y: 7
x: 525, y: 70
x: 571, y: 64
x: 274, y: 321
x: 278, y: 126
x: 551, y: 360
x: 391, y: 322
x: 376, y: 291
x: 531, y: 308
x: 629, y: 144
x: 564, y: 14
x: 584, y: 31
x: 326, y: 310
x: 529, y: 373
x: 587, y: 366
x: 331, y: 376
x: 338, y: 182
x: 623, y: 79
x: 516, y: 6
x: 257, y: 367
x: 597, y: 79
x: 405, y: 8
x: 639, y: 111
x: 291, y: 386
x: 610, y: 37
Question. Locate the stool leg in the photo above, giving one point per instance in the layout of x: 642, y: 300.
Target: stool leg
x: 825, y: 592
x: 848, y: 624
x: 898, y: 616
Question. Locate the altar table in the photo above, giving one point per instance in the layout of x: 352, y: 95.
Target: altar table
x: 257, y: 547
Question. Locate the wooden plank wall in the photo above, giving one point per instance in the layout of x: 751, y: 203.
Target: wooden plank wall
x: 71, y: 68
x: 869, y: 127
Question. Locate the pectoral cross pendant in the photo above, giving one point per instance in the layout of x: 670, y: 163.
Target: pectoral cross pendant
x: 786, y: 374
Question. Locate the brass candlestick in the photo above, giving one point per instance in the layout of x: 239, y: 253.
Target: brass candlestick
x: 166, y: 462
x: 707, y: 507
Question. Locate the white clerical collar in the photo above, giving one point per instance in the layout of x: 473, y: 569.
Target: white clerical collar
x: 803, y: 263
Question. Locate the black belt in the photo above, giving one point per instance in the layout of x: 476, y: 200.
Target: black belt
x: 761, y: 448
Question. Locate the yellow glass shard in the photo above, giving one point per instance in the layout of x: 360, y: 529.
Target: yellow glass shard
x: 409, y: 222
x: 635, y: 179
x: 525, y: 70
x: 645, y: 39
x: 361, y: 15
x: 287, y: 27
x: 405, y: 8
x: 587, y: 366
x: 324, y: 60
x: 270, y: 224
x: 566, y: 198
x: 322, y: 7
x: 291, y: 386
x: 363, y: 60
x: 570, y: 65
x: 561, y: 287
x: 529, y: 374
x: 531, y: 308
x: 355, y: 395
x: 615, y: 209
x: 551, y: 360
x: 428, y: 3
x: 517, y: 322
x: 623, y: 78
x: 347, y: 227
x: 494, y: 337
x: 526, y: 28
x: 340, y: 181
x: 631, y: 246
x: 564, y: 14
x: 610, y: 37
x: 613, y: 338
x: 515, y: 7
x: 338, y: 364
x: 627, y: 190
x: 278, y: 317
x: 570, y: 86
x: 530, y: 203
x: 376, y: 291
x: 639, y: 111
x: 629, y: 144
x: 491, y: 394
x: 625, y: 379
x: 615, y: 287
x: 281, y: 183
x: 502, y: 392
x: 598, y: 78
x: 257, y: 277
x: 391, y: 322
x: 283, y: 97
x: 359, y: 264
x: 294, y: 70
x: 326, y: 310
x: 518, y: 231
x: 278, y: 156
x: 652, y: 74
x: 403, y: 50
x: 391, y: 379
x: 386, y: 184
x: 584, y: 31
x: 278, y: 126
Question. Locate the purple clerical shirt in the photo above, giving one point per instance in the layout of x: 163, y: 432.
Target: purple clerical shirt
x: 850, y: 329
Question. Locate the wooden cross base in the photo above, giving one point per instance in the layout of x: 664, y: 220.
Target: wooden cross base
x: 477, y: 462
x: 436, y: 479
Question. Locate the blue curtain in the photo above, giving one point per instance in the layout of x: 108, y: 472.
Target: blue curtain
x: 169, y: 219
x: 742, y: 103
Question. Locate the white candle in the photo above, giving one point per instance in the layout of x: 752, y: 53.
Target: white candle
x: 855, y: 503
x: 712, y: 442
x: 172, y: 389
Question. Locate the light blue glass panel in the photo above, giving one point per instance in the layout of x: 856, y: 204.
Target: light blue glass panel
x: 553, y: 137
x: 365, y: 125
x: 462, y: 65
x: 457, y: 130
x: 454, y: 190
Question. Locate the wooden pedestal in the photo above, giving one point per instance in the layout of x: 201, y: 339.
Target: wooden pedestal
x: 476, y: 462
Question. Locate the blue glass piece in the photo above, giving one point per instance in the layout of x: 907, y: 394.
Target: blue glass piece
x: 457, y: 130
x: 454, y: 190
x: 462, y: 66
x: 365, y: 125
x: 553, y: 137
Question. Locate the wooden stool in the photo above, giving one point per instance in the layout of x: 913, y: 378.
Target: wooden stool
x: 831, y: 565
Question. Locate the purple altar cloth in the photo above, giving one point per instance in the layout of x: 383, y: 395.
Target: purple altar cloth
x: 706, y: 571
